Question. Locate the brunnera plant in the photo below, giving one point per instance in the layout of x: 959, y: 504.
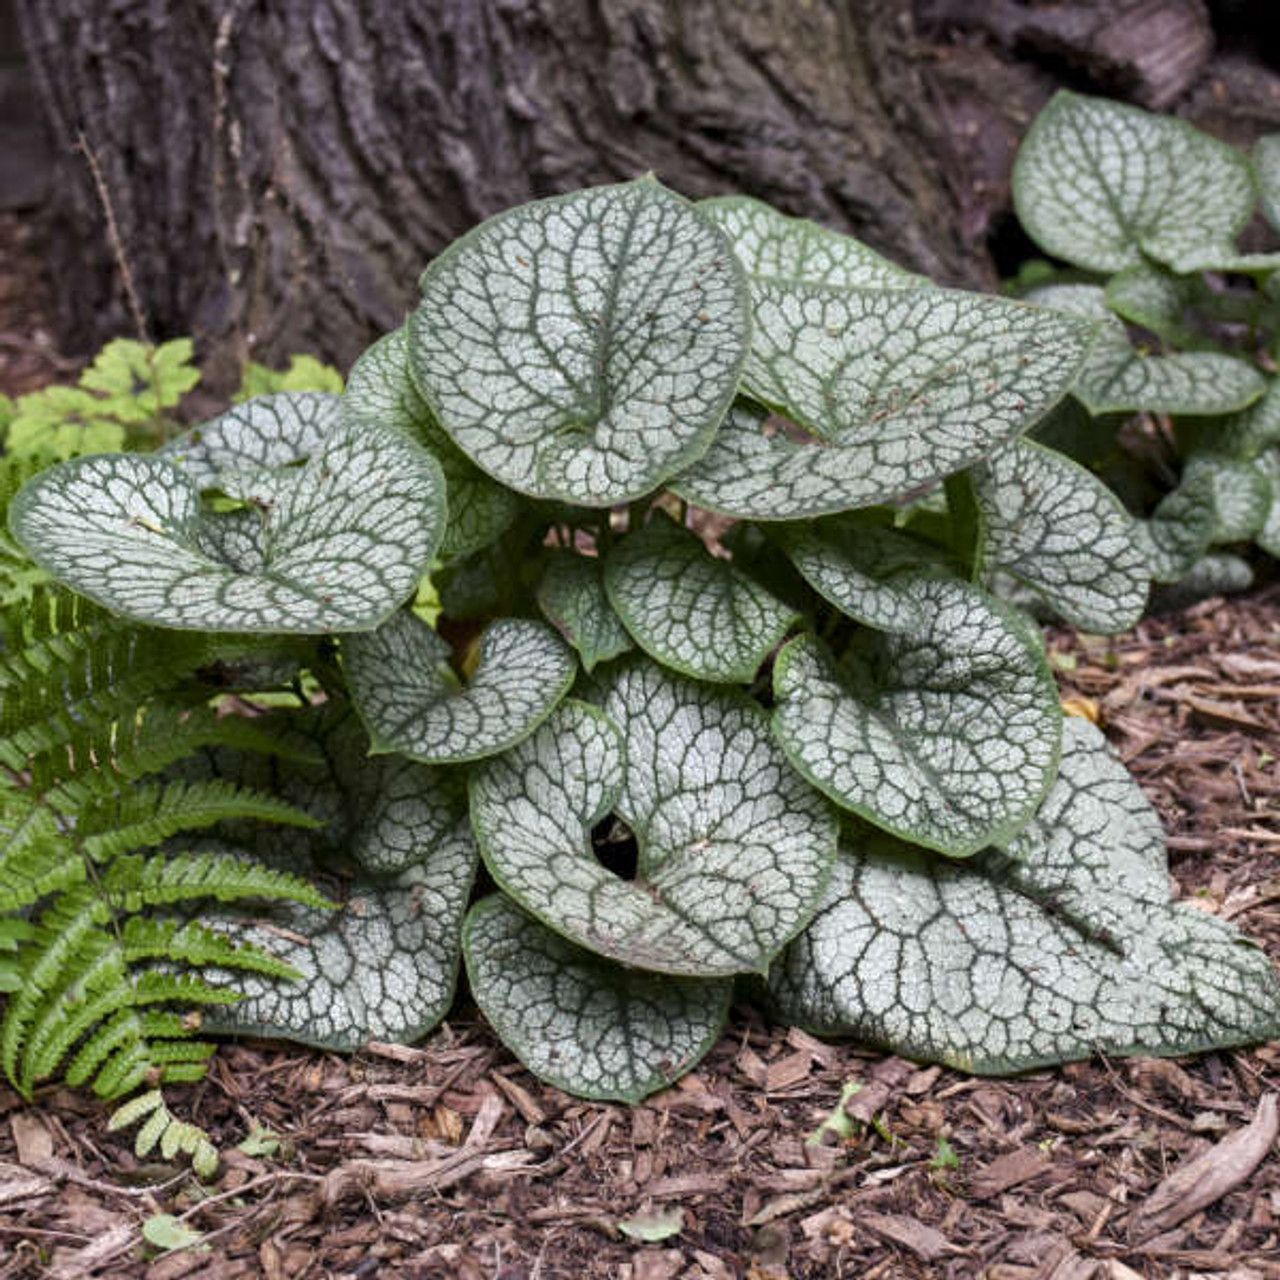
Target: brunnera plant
x: 720, y: 696
x: 1145, y: 211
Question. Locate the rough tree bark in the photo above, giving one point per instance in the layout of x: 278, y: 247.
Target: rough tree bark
x: 279, y: 171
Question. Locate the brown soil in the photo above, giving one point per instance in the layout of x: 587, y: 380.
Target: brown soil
x: 450, y: 1160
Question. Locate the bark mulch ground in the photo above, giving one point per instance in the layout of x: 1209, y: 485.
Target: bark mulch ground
x: 450, y: 1160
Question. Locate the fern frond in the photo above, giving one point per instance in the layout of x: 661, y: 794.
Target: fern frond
x: 19, y: 575
x: 36, y: 859
x: 172, y: 1134
x: 92, y: 767
x: 153, y: 813
x: 134, y: 1046
x: 126, y: 1027
x: 69, y: 934
x: 195, y: 944
x: 50, y: 614
x: 76, y: 1001
x: 69, y: 666
x: 94, y: 978
x: 112, y: 982
x: 62, y: 1024
x: 134, y: 882
x: 130, y: 1065
x: 14, y: 932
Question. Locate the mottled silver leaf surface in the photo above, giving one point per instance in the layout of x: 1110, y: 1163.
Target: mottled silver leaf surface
x: 901, y: 387
x: 1120, y: 378
x: 772, y: 245
x: 690, y: 610
x: 412, y: 703
x: 734, y: 849
x: 589, y: 1026
x: 263, y: 434
x: 1100, y: 184
x: 583, y: 348
x: 1180, y: 530
x: 1218, y: 499
x: 1147, y: 296
x: 1057, y: 528
x: 1246, y: 434
x: 1066, y: 947
x: 380, y: 389
x: 385, y: 966
x: 338, y: 548
x: 1266, y: 169
x: 572, y: 598
x: 946, y: 735
x: 382, y: 968
x: 853, y: 566
x: 1219, y: 573
x: 1239, y: 493
x: 1268, y: 537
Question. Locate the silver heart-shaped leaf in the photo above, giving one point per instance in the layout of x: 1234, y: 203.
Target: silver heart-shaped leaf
x: 590, y: 1026
x: 733, y: 847
x: 1065, y: 947
x: 586, y: 347
x: 946, y: 734
x: 413, y: 704
x: 690, y: 610
x: 339, y: 545
x: 1101, y: 184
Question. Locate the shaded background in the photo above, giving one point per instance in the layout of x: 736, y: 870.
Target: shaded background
x: 280, y: 171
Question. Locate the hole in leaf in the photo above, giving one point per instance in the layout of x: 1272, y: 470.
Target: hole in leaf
x: 615, y: 847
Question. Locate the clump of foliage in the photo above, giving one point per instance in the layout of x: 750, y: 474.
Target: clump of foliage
x: 814, y: 755
x: 128, y: 398
x: 103, y: 956
x: 1145, y: 210
x: 122, y: 400
x: 103, y: 974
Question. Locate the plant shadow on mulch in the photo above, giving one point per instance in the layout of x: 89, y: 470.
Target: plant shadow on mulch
x: 450, y: 1160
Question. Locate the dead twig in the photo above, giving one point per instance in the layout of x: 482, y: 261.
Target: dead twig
x: 85, y: 148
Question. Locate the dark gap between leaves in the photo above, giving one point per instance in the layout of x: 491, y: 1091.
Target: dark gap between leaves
x: 615, y: 847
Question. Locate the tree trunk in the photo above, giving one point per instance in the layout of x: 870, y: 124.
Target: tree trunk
x: 278, y: 172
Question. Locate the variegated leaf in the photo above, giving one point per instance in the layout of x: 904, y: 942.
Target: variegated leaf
x: 690, y: 610
x: 385, y: 966
x: 1155, y: 299
x: 1057, y: 528
x: 1120, y: 378
x: 572, y: 597
x: 1102, y: 184
x: 853, y: 565
x: 733, y: 848
x: 583, y: 348
x: 1064, y: 947
x: 1266, y: 169
x: 1268, y: 537
x: 902, y: 387
x: 773, y: 246
x: 263, y: 435
x: 1219, y: 573
x: 412, y: 703
x: 338, y: 546
x: 379, y: 389
x: 587, y: 1025
x: 946, y: 735
x: 1246, y: 435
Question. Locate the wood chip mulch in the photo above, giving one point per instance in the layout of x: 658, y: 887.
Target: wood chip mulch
x: 450, y: 1160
